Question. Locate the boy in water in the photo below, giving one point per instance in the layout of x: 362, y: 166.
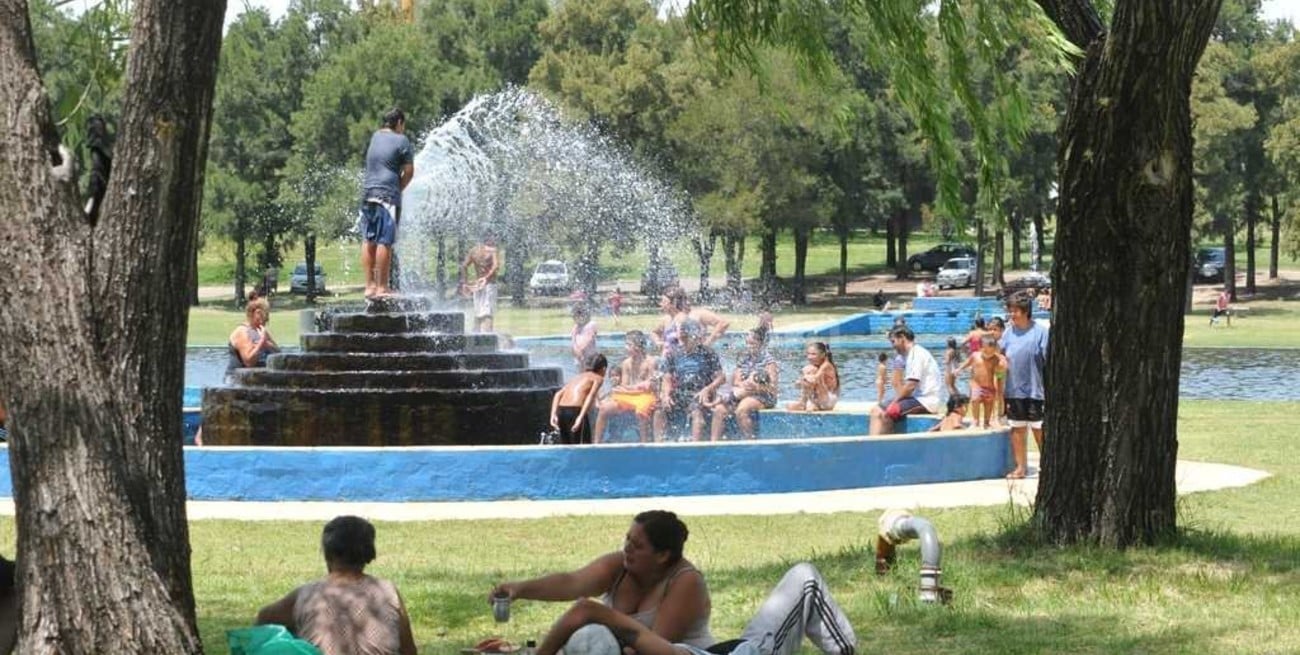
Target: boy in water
x: 634, y: 388
x: 955, y: 419
x: 985, y: 382
x: 572, y: 403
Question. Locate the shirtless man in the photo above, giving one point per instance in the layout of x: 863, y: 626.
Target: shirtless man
x: 634, y: 389
x: 985, y: 383
x: 486, y: 259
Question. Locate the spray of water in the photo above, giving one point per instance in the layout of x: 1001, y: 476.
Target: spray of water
x: 547, y: 186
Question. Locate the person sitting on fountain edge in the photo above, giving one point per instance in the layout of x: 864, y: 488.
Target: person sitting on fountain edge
x: 691, y: 375
x: 572, y: 403
x: 251, y: 342
x: 390, y: 165
x: 634, y: 388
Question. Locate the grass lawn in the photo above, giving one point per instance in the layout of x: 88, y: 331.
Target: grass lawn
x: 1229, y: 584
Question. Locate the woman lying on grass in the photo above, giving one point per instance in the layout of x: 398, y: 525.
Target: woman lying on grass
x: 799, y: 605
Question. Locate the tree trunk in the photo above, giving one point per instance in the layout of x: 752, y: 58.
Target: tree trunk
x: 731, y: 252
x: 704, y: 247
x: 309, y: 254
x: 1039, y: 220
x: 999, y: 258
x: 1273, y: 242
x: 96, y: 357
x: 193, y: 295
x: 1121, y: 259
x: 440, y: 267
x: 1017, y: 226
x: 1230, y: 257
x: 891, y: 253
x: 241, y: 258
x: 1252, y: 217
x: 798, y: 293
x: 979, y: 256
x: 767, y: 267
x: 842, y: 289
x: 900, y: 234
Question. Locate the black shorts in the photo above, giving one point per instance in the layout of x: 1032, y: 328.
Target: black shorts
x: 1024, y: 411
x: 568, y: 435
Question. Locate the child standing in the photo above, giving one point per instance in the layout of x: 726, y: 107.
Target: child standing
x: 572, y: 403
x: 985, y: 383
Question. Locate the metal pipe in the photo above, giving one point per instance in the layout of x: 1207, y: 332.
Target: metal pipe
x: 897, y: 527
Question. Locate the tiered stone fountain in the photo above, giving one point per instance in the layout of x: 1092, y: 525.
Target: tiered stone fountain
x: 397, y: 374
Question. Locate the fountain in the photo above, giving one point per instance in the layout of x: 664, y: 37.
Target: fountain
x: 396, y: 374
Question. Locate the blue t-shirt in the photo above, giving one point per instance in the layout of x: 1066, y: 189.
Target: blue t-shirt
x: 691, y: 371
x: 1026, y: 352
x: 388, y: 154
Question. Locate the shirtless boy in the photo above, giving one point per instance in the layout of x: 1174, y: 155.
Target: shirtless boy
x: 634, y: 389
x: 572, y: 403
x: 985, y: 382
x: 486, y: 260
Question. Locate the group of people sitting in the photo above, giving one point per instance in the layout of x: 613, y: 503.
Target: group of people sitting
x: 646, y: 598
x: 685, y: 383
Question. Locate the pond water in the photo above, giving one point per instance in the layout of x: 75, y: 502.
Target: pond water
x: 1208, y: 373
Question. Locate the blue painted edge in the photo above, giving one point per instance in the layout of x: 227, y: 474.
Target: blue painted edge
x: 429, y: 474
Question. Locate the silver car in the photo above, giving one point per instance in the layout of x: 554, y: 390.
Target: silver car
x: 957, y: 272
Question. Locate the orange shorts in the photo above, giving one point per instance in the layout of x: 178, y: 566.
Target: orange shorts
x: 641, y: 402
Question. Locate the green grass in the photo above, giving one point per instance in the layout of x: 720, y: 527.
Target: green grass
x: 1268, y: 324
x: 1229, y: 584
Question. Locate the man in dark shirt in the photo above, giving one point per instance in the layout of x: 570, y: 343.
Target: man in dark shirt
x: 390, y: 165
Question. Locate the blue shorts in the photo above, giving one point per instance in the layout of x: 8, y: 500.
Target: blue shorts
x: 378, y: 222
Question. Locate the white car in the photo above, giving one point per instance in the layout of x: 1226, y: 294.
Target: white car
x: 550, y: 277
x: 957, y: 272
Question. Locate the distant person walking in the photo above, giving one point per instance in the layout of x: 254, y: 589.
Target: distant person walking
x: 1221, y: 308
x: 1025, y: 345
x: 486, y: 260
x: 390, y: 165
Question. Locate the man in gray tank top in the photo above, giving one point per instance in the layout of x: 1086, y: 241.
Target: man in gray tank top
x: 390, y: 165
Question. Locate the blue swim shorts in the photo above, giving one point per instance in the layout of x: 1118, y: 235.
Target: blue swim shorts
x: 378, y: 222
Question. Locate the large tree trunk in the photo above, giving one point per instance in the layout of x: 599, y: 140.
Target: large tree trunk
x: 241, y: 259
x: 733, y: 247
x: 1017, y: 226
x: 1121, y: 259
x: 94, y: 338
x: 891, y: 254
x: 309, y: 256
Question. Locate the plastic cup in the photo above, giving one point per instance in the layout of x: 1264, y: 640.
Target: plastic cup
x: 501, y: 608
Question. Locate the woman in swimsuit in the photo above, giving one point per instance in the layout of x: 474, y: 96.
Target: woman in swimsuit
x: 648, y: 581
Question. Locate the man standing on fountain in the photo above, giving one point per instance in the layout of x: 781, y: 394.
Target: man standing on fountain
x: 390, y: 165
x: 486, y: 259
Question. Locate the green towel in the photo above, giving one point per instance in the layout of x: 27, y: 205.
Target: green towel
x: 268, y: 640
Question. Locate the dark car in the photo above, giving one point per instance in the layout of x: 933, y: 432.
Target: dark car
x: 655, y: 281
x: 1208, y: 266
x: 935, y: 257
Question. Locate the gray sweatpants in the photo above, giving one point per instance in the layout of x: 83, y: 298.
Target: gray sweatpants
x: 800, y: 605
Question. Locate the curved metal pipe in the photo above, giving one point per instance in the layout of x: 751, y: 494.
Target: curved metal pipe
x: 897, y: 527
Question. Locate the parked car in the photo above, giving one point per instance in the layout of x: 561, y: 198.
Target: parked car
x: 551, y: 277
x: 1034, y: 280
x: 957, y: 272
x: 657, y: 281
x: 934, y: 258
x: 1209, y: 264
x: 298, y: 280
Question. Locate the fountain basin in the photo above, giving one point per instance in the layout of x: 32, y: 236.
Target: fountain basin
x: 474, y: 473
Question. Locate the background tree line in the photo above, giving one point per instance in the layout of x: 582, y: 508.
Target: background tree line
x: 758, y: 152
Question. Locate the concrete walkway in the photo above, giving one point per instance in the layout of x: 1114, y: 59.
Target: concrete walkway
x: 1192, y: 477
